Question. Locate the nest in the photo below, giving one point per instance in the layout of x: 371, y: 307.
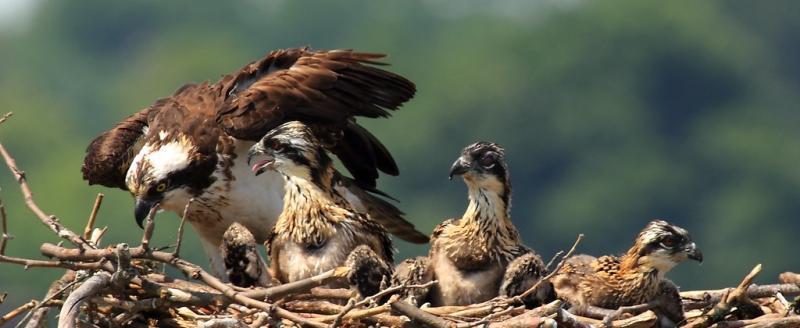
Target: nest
x: 119, y: 285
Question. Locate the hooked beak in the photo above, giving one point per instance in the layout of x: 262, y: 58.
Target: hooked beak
x: 460, y: 166
x: 694, y: 253
x: 261, y: 165
x: 142, y: 209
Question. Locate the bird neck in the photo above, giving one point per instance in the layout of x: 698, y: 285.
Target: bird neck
x: 487, y: 217
x: 312, y: 200
x: 486, y: 207
x: 634, y: 262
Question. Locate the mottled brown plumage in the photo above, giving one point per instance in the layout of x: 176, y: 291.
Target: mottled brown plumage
x: 634, y: 278
x: 243, y: 265
x: 318, y: 230
x: 193, y: 143
x: 479, y: 256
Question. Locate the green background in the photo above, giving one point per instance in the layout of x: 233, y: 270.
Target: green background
x: 612, y: 113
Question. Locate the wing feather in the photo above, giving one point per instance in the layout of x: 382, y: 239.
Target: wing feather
x: 323, y: 87
x: 110, y: 154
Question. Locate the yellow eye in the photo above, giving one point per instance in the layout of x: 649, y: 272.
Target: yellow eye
x: 161, y: 187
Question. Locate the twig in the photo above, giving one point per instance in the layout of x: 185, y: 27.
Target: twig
x: 56, y: 288
x: 419, y: 316
x: 180, y: 227
x: 351, y: 304
x: 87, y: 232
x: 90, y: 287
x: 531, y: 316
x: 734, y: 297
x: 49, y: 220
x: 789, y: 278
x: 299, y: 286
x: 149, y: 226
x: 15, y: 312
x: 6, y: 237
x: 636, y: 309
x: 519, y: 299
x: 553, y: 259
x: 702, y: 298
x: 28, y: 263
x: 5, y: 117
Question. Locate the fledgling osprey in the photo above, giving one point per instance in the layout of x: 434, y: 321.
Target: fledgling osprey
x: 479, y: 256
x: 318, y: 230
x: 636, y: 277
x: 194, y: 143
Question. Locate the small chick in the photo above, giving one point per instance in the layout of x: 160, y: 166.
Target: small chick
x: 318, y: 230
x: 634, y: 278
x: 479, y: 256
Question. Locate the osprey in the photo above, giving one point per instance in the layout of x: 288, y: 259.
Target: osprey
x: 318, y: 229
x: 194, y: 143
x: 479, y: 256
x: 636, y: 277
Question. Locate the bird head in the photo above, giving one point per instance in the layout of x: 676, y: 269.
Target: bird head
x: 661, y: 245
x: 291, y: 149
x: 168, y: 170
x: 483, y: 165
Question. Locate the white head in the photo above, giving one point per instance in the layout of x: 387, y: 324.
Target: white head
x: 168, y: 170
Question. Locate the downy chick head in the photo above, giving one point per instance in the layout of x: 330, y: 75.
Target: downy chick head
x: 291, y: 149
x: 661, y: 246
x: 483, y: 165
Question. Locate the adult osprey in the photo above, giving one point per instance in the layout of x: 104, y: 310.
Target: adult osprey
x: 194, y: 143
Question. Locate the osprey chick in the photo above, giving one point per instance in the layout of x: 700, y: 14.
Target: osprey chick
x: 318, y: 230
x: 634, y: 278
x: 193, y: 144
x: 479, y: 256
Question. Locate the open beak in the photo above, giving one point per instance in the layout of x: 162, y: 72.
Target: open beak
x: 142, y: 209
x: 460, y: 166
x: 264, y: 163
x: 694, y: 253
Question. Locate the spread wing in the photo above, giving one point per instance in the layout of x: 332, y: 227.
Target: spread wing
x: 109, y: 155
x: 324, y: 87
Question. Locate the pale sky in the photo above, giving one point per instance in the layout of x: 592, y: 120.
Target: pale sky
x: 15, y: 14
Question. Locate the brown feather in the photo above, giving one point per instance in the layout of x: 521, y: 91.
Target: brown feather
x: 328, y: 87
x: 109, y: 155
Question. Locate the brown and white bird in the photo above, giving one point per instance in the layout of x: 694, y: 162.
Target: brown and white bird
x: 479, y: 256
x: 318, y: 229
x: 193, y: 144
x: 634, y: 278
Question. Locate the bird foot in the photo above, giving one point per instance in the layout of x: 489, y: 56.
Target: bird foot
x: 367, y: 270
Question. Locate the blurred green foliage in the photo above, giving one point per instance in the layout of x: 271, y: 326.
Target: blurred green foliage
x: 612, y: 112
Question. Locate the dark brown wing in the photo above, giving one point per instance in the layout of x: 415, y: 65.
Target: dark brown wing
x: 109, y: 155
x: 326, y: 87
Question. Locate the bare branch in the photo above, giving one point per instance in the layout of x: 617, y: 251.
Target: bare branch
x: 90, y: 287
x: 49, y: 220
x: 179, y: 240
x: 15, y: 312
x: 87, y: 232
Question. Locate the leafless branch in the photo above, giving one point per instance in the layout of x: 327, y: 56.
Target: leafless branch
x: 49, y: 220
x: 87, y: 232
x: 179, y: 240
